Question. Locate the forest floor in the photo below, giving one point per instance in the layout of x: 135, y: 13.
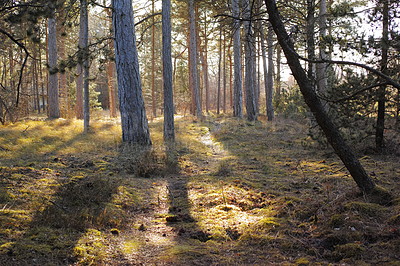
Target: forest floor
x: 228, y: 193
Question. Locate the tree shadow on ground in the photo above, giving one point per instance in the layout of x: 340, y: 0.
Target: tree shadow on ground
x: 58, y: 214
x: 65, y: 226
x: 190, y: 243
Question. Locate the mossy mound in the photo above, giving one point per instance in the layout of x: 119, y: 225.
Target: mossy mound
x: 381, y: 196
x: 369, y: 209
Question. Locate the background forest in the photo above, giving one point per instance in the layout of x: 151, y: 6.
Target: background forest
x: 244, y: 118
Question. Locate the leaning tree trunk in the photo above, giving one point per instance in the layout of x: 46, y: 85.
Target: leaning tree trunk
x: 237, y: 58
x: 135, y: 129
x: 53, y: 103
x: 364, y: 182
x: 169, y: 128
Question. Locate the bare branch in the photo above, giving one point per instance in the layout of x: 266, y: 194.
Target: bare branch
x: 27, y: 54
x: 389, y: 80
x: 146, y: 18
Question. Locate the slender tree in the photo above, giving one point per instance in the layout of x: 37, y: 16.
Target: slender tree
x: 169, y: 128
x: 219, y: 71
x: 270, y: 79
x: 268, y: 71
x: 53, y: 101
x: 84, y: 59
x: 249, y: 46
x: 322, y: 79
x: 193, y: 59
x: 153, y: 62
x: 110, y: 74
x: 237, y: 59
x: 380, y: 122
x: 135, y: 128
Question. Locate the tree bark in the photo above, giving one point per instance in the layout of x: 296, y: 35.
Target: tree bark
x: 249, y: 64
x: 237, y: 58
x: 193, y: 59
x: 53, y: 103
x: 169, y: 127
x: 270, y: 76
x: 84, y: 49
x: 153, y: 63
x: 380, y: 121
x: 364, y: 182
x: 204, y: 56
x: 63, y: 88
x: 219, y: 71
x: 135, y: 128
x: 110, y: 76
x: 278, y: 70
x: 310, y: 39
x: 322, y: 80
x: 224, y: 74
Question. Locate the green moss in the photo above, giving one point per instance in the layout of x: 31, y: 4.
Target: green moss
x: 257, y: 239
x: 4, y: 196
x: 370, y: 209
x: 337, y: 220
x: 395, y: 219
x: 380, y: 195
x: 130, y: 246
x: 350, y: 250
x: 302, y: 261
x: 90, y: 249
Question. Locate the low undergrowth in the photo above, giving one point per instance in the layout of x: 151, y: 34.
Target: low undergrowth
x: 228, y: 192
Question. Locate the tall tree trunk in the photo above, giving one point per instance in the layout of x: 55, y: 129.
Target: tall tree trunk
x: 110, y: 75
x: 53, y: 103
x: 153, y: 63
x: 35, y: 81
x: 42, y: 80
x: 219, y: 71
x: 224, y: 74
x: 278, y: 70
x: 237, y: 58
x: 84, y: 51
x: 364, y: 182
x: 79, y: 79
x: 270, y: 79
x: 322, y: 80
x: 111, y: 85
x: 230, y: 74
x: 249, y: 63
x: 169, y: 128
x: 380, y: 121
x: 63, y: 88
x: 268, y: 71
x: 135, y: 128
x: 310, y: 39
x: 193, y: 59
x: 204, y: 56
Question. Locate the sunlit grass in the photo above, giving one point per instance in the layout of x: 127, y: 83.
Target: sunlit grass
x: 225, y: 190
